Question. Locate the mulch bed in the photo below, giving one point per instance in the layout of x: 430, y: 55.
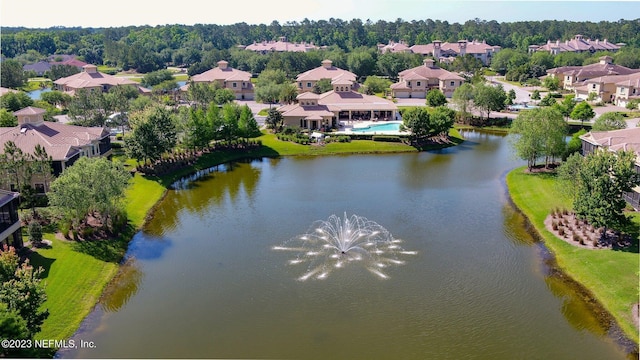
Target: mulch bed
x: 566, y: 226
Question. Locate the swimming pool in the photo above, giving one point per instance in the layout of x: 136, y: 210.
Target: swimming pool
x: 378, y: 128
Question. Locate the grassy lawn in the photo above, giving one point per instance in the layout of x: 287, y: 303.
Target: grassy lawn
x: 77, y: 273
x: 611, y: 276
x: 181, y: 77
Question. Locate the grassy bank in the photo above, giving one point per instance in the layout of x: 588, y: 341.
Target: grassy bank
x: 77, y: 273
x: 611, y: 276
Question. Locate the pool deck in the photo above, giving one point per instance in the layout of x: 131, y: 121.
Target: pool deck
x: 348, y: 126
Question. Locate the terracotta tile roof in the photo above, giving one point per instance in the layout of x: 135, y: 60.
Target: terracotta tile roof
x: 61, y: 141
x: 4, y: 90
x: 326, y: 71
x: 616, y: 140
x: 332, y: 101
x: 472, y: 47
x: 593, y: 70
x: 30, y: 110
x: 632, y: 80
x: 281, y: 46
x: 91, y: 78
x: 428, y: 72
x: 222, y: 73
x: 578, y: 43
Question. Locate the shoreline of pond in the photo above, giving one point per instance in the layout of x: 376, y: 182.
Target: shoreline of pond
x: 169, y: 180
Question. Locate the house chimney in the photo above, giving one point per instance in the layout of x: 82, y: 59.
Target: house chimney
x: 223, y: 64
x: 90, y: 69
x: 429, y: 63
x: 327, y: 63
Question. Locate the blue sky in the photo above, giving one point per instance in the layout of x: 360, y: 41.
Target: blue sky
x: 115, y: 13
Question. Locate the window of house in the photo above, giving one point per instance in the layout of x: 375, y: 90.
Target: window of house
x: 300, y: 84
x: 634, y: 91
x: 39, y: 188
x: 408, y: 83
x: 233, y: 84
x: 453, y: 83
x: 308, y: 84
x: 417, y: 83
x: 593, y: 86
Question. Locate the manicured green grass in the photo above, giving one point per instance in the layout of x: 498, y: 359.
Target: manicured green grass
x: 181, y: 77
x: 77, y: 273
x: 74, y: 282
x: 611, y: 276
x: 263, y: 112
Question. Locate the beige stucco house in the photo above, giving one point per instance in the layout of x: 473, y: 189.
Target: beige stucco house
x: 616, y: 140
x: 235, y: 80
x: 308, y: 79
x: 416, y: 82
x: 572, y: 76
x: 447, y: 52
x: 627, y: 89
x: 578, y: 44
x: 91, y: 79
x: 315, y: 111
x: 63, y: 143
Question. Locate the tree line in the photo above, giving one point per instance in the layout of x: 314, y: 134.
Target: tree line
x: 147, y: 48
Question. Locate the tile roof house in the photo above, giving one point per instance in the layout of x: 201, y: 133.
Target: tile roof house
x: 627, y: 89
x: 417, y: 81
x: 315, y: 111
x: 394, y: 47
x: 577, y: 44
x: 308, y: 79
x: 4, y: 90
x: 229, y: 78
x: 39, y: 67
x: 91, y: 79
x: 446, y: 52
x: 63, y: 143
x: 573, y: 76
x: 282, y: 45
x: 616, y: 140
x: 10, y: 232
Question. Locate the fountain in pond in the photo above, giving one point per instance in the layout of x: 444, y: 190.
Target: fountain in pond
x: 335, y: 243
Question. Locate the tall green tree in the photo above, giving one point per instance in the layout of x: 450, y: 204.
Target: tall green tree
x: 462, y: 99
x: 7, y: 119
x: 582, y: 112
x: 417, y: 121
x: 601, y: 181
x: 612, y: 120
x: 274, y: 120
x: 540, y: 132
x: 15, y: 101
x: 154, y: 132
x: 91, y: 184
x: 435, y: 98
x: 489, y: 98
x: 11, y: 74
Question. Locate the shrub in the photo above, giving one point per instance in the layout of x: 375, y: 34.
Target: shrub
x: 554, y: 225
x: 386, y: 138
x: 594, y: 242
x: 561, y: 231
x: 35, y: 232
x: 576, y: 237
x: 581, y: 241
x: 65, y: 227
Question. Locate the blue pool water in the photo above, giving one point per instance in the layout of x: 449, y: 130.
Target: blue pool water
x: 393, y: 126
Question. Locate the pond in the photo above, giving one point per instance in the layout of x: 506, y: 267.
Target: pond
x: 35, y: 94
x: 203, y: 279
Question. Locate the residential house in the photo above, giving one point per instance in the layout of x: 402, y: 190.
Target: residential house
x: 325, y: 110
x: 606, y: 88
x: 416, y: 82
x: 10, y: 232
x: 282, y: 45
x: 63, y: 143
x: 616, y: 140
x: 577, y: 44
x: 627, y: 89
x: 235, y: 80
x: 573, y: 76
x: 394, y: 47
x: 308, y: 79
x: 447, y: 52
x: 40, y: 67
x: 91, y: 79
x: 4, y: 90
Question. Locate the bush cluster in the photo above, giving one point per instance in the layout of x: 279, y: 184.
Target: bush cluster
x: 387, y: 138
x: 341, y: 138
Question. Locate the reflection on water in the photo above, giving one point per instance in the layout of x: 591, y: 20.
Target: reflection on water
x: 122, y: 287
